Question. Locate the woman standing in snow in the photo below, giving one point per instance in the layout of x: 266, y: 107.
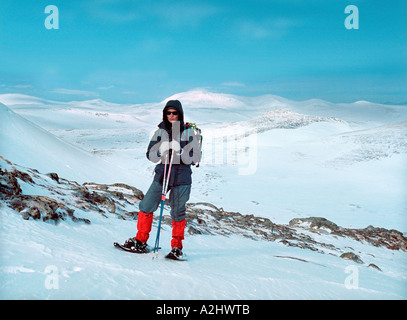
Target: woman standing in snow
x: 172, y: 135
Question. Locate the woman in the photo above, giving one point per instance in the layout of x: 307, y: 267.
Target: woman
x: 172, y: 134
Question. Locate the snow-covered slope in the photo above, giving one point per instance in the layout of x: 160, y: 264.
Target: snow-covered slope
x: 230, y: 255
x: 263, y: 156
x: 28, y: 144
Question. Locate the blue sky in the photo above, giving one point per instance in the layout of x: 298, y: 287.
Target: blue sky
x: 130, y: 51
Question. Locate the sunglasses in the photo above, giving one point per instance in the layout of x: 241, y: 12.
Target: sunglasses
x: 175, y: 113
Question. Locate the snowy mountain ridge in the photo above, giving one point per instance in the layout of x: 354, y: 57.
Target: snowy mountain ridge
x: 34, y: 146
x: 323, y: 174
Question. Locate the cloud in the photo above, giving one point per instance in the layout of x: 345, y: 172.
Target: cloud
x: 75, y: 92
x: 130, y: 92
x: 167, y: 13
x: 106, y: 87
x: 22, y: 86
x: 268, y: 29
x: 181, y: 14
x: 115, y: 11
x: 233, y: 84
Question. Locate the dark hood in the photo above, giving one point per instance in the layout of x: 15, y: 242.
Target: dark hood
x: 177, y: 106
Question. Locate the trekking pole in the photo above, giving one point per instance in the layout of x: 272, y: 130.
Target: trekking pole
x: 200, y: 142
x: 163, y: 197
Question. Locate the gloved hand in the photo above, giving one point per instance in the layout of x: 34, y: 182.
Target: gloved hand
x: 174, y: 145
x: 166, y: 146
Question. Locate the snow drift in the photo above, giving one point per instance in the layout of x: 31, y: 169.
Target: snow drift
x: 30, y: 145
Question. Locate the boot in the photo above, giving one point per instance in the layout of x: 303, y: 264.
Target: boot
x: 136, y: 245
x: 144, y: 223
x: 178, y: 228
x: 175, y: 254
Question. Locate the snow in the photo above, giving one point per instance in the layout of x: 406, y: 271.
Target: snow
x: 88, y: 267
x: 266, y: 156
x: 30, y: 145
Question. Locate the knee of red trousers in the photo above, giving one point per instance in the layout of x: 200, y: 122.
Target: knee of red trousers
x: 178, y: 228
x: 144, y: 223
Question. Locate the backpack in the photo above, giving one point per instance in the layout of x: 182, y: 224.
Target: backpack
x: 198, y: 133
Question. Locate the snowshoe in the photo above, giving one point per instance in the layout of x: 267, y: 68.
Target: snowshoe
x: 133, y: 245
x: 176, y: 254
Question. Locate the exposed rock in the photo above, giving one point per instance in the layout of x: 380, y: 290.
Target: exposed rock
x: 118, y: 189
x: 65, y: 197
x: 391, y: 239
x: 192, y: 230
x: 292, y: 258
x: 9, y: 185
x: 315, y: 222
x: 37, y: 207
x: 372, y: 265
x: 351, y: 256
x: 22, y: 176
x: 53, y: 176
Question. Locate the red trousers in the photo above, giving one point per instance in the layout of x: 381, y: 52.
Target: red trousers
x: 145, y: 221
x: 178, y: 228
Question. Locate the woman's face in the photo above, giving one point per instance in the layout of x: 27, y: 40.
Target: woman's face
x: 172, y: 115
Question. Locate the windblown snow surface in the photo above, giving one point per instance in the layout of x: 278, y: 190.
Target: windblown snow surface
x: 264, y: 156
